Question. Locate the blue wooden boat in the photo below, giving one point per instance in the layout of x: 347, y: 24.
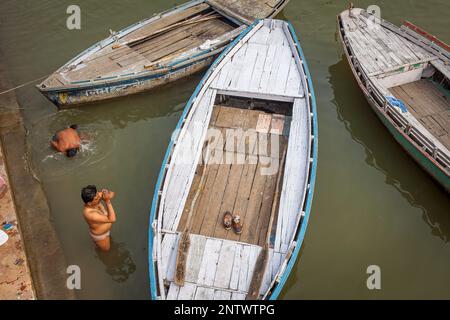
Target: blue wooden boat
x: 246, y: 144
x: 404, y: 74
x: 164, y: 48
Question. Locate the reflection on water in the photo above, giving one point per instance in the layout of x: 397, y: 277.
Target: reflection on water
x: 118, y: 262
x: 420, y: 190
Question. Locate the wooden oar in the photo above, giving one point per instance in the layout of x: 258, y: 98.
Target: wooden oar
x: 185, y: 242
x: 263, y: 258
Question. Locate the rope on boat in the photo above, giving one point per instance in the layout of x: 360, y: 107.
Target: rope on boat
x: 23, y: 85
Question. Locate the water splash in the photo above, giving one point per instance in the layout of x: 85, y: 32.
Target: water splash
x: 97, y: 142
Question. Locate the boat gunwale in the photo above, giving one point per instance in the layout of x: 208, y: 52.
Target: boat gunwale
x: 381, y: 112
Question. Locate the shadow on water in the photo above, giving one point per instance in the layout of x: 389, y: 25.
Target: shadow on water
x: 400, y: 170
x: 118, y: 262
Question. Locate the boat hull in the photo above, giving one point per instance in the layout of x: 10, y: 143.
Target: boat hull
x: 420, y: 156
x: 97, y: 92
x: 298, y: 234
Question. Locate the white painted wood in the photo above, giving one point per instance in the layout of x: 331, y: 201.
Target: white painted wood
x: 187, y: 292
x: 249, y: 65
x: 243, y: 271
x: 168, y: 252
x: 237, y: 262
x: 276, y: 263
x: 210, y: 258
x: 378, y: 48
x: 267, y: 274
x: 222, y: 295
x: 237, y: 296
x: 194, y: 257
x: 203, y: 293
x: 173, y: 292
x: 295, y: 175
x: 225, y: 265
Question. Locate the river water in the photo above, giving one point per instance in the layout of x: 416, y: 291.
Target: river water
x: 373, y: 205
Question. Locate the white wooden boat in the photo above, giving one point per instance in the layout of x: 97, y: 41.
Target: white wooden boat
x: 164, y: 48
x: 257, y: 94
x: 404, y: 74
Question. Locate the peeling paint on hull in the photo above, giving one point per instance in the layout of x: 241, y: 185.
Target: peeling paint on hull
x: 94, y: 93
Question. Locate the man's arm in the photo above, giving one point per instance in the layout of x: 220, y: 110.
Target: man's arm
x: 96, y: 217
x: 111, y: 212
x: 54, y: 144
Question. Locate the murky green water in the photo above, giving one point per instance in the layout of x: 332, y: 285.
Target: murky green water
x: 372, y: 205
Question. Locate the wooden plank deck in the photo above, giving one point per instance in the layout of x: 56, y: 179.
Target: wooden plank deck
x: 377, y: 48
x: 215, y: 268
x: 108, y: 61
x: 270, y: 67
x: 244, y: 187
x: 429, y: 105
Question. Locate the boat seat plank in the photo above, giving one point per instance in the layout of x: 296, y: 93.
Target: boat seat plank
x: 209, y: 263
x: 222, y: 295
x: 186, y: 292
x: 203, y: 293
x: 225, y: 265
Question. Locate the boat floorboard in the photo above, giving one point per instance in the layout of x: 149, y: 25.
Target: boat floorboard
x: 429, y: 105
x: 234, y: 177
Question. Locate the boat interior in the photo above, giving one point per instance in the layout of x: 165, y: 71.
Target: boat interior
x: 242, y: 158
x: 148, y: 46
x: 427, y: 99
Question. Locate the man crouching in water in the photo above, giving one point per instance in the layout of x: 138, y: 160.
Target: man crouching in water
x: 67, y: 141
x: 99, y: 219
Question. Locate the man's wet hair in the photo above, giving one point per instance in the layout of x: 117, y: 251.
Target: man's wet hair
x: 74, y: 126
x: 88, y: 193
x: 71, y: 152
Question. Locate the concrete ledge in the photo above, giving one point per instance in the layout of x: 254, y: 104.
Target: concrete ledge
x: 43, y: 249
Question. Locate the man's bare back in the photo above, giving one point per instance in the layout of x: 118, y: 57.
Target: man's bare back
x: 67, y: 141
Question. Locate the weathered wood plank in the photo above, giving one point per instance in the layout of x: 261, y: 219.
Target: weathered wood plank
x: 195, y: 258
x: 173, y: 292
x: 187, y: 292
x: 225, y: 265
x: 208, y: 266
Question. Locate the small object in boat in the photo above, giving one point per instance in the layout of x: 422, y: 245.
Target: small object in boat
x: 3, y: 238
x: 227, y: 220
x: 237, y: 226
x: 7, y: 226
x: 19, y: 262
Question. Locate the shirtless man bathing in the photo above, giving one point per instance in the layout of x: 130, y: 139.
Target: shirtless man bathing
x: 67, y: 141
x: 99, y: 218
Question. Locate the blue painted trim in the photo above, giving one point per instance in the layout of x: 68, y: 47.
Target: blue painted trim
x: 73, y: 90
x: 152, y: 271
x: 304, y: 223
